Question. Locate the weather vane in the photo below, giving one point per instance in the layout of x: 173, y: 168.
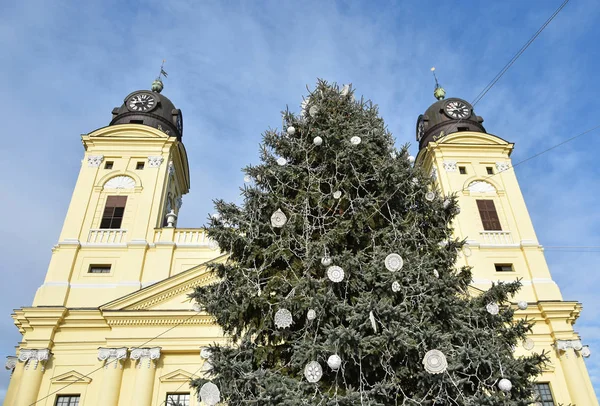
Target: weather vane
x: 157, y: 85
x: 439, y: 92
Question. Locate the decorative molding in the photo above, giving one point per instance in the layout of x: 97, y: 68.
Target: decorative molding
x: 145, y: 355
x: 562, y: 346
x: 120, y: 182
x: 155, y: 161
x: 114, y: 355
x: 11, y: 362
x: 481, y: 186
x: 177, y: 376
x: 34, y: 357
x: 94, y: 161
x: 200, y: 320
x: 502, y: 166
x: 450, y: 166
x: 174, y: 292
x: 71, y: 378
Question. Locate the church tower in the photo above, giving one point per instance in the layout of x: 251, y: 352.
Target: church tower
x: 112, y: 324
x: 475, y: 165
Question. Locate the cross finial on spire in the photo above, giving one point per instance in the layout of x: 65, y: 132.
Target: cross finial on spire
x: 439, y: 92
x: 157, y: 85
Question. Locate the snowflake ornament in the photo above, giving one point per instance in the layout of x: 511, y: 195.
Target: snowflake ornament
x: 528, y: 344
x: 210, y: 394
x: 317, y: 141
x: 493, y: 308
x: 335, y: 274
x: 430, y: 196
x: 395, y: 286
x: 355, y: 140
x: 394, y: 262
x: 283, y: 318
x: 278, y: 219
x: 313, y: 372
x: 334, y: 362
x: 435, y: 362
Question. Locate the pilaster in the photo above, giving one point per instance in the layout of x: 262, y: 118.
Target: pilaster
x: 33, y: 361
x: 112, y: 375
x: 145, y: 372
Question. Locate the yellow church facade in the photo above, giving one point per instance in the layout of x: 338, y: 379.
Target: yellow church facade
x: 112, y: 324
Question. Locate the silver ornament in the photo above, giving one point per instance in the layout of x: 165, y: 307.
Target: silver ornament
x: 493, y: 308
x: 522, y: 305
x: 291, y: 130
x: 430, y: 196
x: 313, y: 372
x: 393, y: 154
x: 335, y: 273
x: 281, y: 161
x: 435, y: 362
x: 313, y: 111
x: 283, y: 318
x: 373, y: 322
x: 345, y: 90
x: 395, y: 287
x: 317, y: 140
x: 528, y: 344
x: 337, y: 194
x: 326, y: 260
x: 216, y: 216
x: 436, y: 273
x: 334, y: 362
x: 278, y: 219
x: 447, y: 203
x: 585, y: 352
x: 210, y: 394
x: 411, y: 159
x: 394, y: 262
x: 311, y: 314
x: 197, y: 307
x: 247, y: 178
x: 205, y: 353
x: 505, y: 385
x: 355, y: 140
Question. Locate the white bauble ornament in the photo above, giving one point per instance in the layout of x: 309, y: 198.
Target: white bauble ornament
x: 197, y: 307
x: 372, y: 320
x: 216, y: 216
x: 447, y: 203
x: 395, y: 287
x: 355, y: 140
x: 394, y: 154
x: 278, y: 219
x: 435, y: 362
x: 313, y: 372
x: 283, y: 318
x: 313, y: 111
x: 436, y: 273
x: 334, y: 362
x: 505, y: 385
x: 291, y: 130
x: 311, y: 314
x: 493, y: 308
x: 411, y: 159
x: 335, y: 273
x: 430, y: 196
x: 281, y: 161
x: 326, y: 260
x: 522, y: 305
x: 247, y: 178
x: 528, y: 344
x: 466, y: 250
x: 337, y: 194
x: 210, y: 394
x: 317, y: 140
x: 205, y: 353
x: 585, y: 352
x: 345, y: 90
x: 394, y: 262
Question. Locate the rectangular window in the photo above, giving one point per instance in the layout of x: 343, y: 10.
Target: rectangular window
x: 544, y: 394
x: 113, y: 212
x: 462, y: 170
x: 139, y: 166
x: 67, y: 400
x: 108, y: 165
x: 99, y: 269
x: 489, y: 216
x: 490, y: 170
x: 503, y: 267
x: 178, y: 399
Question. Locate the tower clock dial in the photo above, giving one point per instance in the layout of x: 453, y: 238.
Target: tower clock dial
x: 141, y: 102
x: 457, y: 109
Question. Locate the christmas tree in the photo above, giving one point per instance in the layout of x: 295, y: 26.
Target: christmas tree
x: 341, y: 286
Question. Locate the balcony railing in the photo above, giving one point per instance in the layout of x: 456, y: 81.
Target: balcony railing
x: 106, y: 236
x: 185, y: 236
x: 496, y: 237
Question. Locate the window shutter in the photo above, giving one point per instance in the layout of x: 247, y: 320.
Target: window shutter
x: 488, y: 214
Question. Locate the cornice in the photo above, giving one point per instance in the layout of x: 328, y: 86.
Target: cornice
x: 126, y: 318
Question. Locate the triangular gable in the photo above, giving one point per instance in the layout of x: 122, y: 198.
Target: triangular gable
x: 173, y: 290
x: 473, y: 138
x: 178, y: 376
x: 71, y: 377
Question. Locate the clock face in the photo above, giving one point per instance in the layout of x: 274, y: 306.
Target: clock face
x: 141, y: 102
x: 457, y: 109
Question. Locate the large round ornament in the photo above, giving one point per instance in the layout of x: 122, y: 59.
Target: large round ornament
x: 395, y: 286
x: 197, y: 307
x: 247, y: 178
x: 528, y: 344
x: 335, y: 273
x: 411, y: 159
x: 313, y: 372
x: 311, y: 314
x: 283, y: 318
x: 394, y: 262
x: 522, y: 305
x: 435, y: 362
x: 210, y: 394
x: 281, y: 161
x: 291, y: 130
x: 430, y: 196
x: 334, y: 362
x: 492, y: 308
x: 317, y: 141
x: 355, y: 140
x: 278, y: 219
x: 505, y: 385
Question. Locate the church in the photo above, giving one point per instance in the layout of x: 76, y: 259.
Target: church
x: 112, y: 323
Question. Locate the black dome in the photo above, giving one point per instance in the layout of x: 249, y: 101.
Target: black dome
x: 438, y: 121
x: 160, y: 114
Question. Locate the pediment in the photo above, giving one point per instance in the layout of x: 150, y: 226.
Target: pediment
x: 168, y: 294
x: 178, y: 376
x: 71, y: 377
x: 127, y: 131
x: 469, y: 137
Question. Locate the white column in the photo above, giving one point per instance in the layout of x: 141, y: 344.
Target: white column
x: 145, y: 371
x: 112, y: 375
x: 31, y: 378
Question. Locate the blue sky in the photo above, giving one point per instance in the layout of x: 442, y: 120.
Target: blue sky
x: 233, y: 66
